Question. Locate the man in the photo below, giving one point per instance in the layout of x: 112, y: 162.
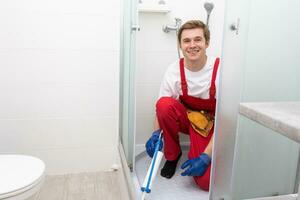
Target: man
x: 187, y: 104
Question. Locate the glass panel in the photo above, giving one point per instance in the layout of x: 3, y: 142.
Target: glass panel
x: 259, y: 63
x: 127, y: 79
x: 265, y: 162
x: 229, y: 97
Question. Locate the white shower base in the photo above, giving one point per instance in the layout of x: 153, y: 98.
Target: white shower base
x: 178, y: 187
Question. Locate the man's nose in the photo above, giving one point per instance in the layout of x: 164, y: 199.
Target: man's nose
x: 193, y: 43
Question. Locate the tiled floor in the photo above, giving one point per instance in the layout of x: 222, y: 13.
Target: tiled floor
x: 84, y: 186
x: 178, y: 187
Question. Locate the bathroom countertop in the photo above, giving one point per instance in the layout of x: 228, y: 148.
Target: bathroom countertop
x: 283, y: 117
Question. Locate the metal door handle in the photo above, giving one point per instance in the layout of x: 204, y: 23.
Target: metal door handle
x: 235, y: 26
x: 135, y: 28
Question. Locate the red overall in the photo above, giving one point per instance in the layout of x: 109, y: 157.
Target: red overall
x: 172, y: 118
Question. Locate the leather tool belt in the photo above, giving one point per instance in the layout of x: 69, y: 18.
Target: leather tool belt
x: 201, y: 121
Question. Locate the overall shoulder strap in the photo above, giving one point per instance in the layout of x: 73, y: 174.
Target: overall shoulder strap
x: 182, y: 77
x: 212, y: 91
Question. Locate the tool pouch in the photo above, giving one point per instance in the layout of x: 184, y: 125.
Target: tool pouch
x: 201, y: 121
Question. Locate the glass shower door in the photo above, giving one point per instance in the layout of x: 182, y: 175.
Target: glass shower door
x: 266, y: 162
x: 259, y: 63
x: 127, y: 78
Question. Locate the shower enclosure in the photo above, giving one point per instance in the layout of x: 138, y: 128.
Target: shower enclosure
x: 258, y: 63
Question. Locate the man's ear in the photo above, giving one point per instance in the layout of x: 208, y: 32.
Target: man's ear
x: 207, y: 44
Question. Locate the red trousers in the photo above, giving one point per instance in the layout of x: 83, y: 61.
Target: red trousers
x: 172, y: 119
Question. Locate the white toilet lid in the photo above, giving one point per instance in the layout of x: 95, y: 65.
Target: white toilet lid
x: 18, y: 172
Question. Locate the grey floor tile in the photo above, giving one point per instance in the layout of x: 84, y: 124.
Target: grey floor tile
x: 83, y: 186
x: 53, y: 188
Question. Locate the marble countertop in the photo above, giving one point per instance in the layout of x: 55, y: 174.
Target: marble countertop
x: 283, y: 117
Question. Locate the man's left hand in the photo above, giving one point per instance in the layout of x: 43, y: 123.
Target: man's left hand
x: 196, y: 166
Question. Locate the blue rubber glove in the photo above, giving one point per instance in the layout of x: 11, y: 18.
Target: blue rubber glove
x: 150, y: 144
x: 196, y: 166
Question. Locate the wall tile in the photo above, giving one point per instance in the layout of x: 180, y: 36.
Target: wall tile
x: 74, y: 160
x: 145, y: 101
x: 59, y: 82
x: 83, y: 132
x: 58, y: 101
x: 40, y: 66
x: 107, y: 8
x: 62, y: 31
x: 144, y: 127
x: 152, y: 65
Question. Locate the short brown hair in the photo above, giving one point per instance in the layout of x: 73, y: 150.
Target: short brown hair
x: 191, y: 24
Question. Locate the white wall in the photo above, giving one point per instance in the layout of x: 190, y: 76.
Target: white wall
x: 55, y: 59
x: 156, y: 50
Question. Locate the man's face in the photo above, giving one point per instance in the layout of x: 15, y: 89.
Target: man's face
x: 193, y: 44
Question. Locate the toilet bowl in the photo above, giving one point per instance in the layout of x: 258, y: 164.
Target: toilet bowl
x: 21, y: 176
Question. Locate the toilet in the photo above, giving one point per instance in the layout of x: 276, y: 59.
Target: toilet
x: 21, y: 176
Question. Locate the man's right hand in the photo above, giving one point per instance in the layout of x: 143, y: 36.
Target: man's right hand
x: 150, y: 144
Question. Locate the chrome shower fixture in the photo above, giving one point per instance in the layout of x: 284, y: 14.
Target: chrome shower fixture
x: 167, y: 28
x: 209, y: 6
x: 161, y: 2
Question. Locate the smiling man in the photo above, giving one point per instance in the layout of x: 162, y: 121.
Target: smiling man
x: 186, y: 104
